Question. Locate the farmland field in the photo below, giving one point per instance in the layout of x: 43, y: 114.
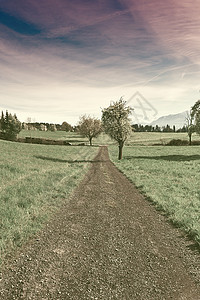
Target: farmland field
x: 137, y: 138
x: 57, y: 135
x: 149, y: 138
x: 73, y: 137
x: 169, y: 177
x: 34, y: 181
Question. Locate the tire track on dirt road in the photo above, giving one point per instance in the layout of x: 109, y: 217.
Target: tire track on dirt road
x: 107, y: 242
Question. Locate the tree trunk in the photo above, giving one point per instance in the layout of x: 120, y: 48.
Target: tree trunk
x: 120, y: 150
x: 90, y: 139
x: 190, y: 139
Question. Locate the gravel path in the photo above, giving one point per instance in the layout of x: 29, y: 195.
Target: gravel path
x: 107, y: 242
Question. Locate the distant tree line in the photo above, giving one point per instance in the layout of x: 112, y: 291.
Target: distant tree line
x: 115, y: 122
x: 156, y: 128
x: 47, y: 126
x: 10, y: 126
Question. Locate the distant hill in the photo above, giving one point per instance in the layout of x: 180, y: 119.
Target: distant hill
x: 176, y: 119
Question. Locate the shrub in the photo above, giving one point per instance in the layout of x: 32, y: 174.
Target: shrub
x: 177, y: 142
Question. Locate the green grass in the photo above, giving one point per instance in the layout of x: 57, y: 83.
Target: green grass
x: 34, y: 181
x: 170, y: 177
x: 137, y: 138
x: 74, y: 138
x: 150, y: 138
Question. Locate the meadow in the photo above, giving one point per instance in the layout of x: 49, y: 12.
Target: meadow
x: 168, y: 176
x: 34, y: 181
x: 162, y: 138
x: 71, y: 137
x: 137, y: 138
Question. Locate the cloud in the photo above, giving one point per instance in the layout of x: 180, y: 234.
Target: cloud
x: 63, y: 16
x: 174, y: 24
x: 86, y: 52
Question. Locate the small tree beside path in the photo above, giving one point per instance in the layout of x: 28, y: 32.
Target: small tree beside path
x: 116, y: 122
x: 89, y: 127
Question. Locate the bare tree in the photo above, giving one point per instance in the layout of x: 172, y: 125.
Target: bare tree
x: 116, y: 122
x: 89, y: 127
x: 190, y: 126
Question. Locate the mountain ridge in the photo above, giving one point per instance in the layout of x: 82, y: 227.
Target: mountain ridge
x: 178, y: 120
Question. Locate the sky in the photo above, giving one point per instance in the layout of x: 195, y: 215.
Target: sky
x: 63, y: 59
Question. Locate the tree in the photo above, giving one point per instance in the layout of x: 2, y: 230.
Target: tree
x: 89, y: 127
x: 52, y: 127
x: 10, y: 126
x: 157, y: 129
x: 195, y: 114
x: 2, y: 122
x: 66, y: 126
x: 190, y: 126
x: 43, y: 127
x: 116, y: 122
x: 167, y: 128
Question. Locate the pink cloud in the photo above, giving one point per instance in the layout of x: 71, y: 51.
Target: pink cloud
x: 116, y: 31
x: 130, y: 41
x: 175, y: 24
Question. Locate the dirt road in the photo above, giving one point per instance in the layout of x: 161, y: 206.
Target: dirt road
x: 107, y: 242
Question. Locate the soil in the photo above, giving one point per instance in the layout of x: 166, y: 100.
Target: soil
x: 107, y: 242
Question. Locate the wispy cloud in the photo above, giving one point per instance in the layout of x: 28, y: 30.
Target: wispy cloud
x: 50, y: 49
x: 174, y: 25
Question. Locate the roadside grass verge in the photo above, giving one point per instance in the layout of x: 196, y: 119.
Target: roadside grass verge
x: 34, y: 181
x: 169, y: 177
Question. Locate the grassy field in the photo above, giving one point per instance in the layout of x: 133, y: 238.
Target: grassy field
x: 34, y: 181
x: 168, y: 176
x: 137, y: 138
x: 150, y: 138
x: 71, y: 137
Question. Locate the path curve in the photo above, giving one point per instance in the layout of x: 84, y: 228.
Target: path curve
x: 107, y: 242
